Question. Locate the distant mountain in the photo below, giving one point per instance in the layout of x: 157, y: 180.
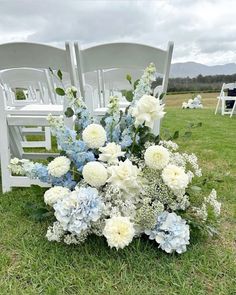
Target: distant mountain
x: 193, y: 69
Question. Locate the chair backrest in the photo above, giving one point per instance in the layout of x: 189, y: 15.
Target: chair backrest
x: 34, y: 84
x: 37, y: 56
x: 122, y: 56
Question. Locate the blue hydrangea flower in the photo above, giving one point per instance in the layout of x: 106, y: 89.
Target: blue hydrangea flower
x: 65, y: 181
x: 40, y: 171
x: 171, y: 232
x: 76, y: 211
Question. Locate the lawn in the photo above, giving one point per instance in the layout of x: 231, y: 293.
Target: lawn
x: 29, y: 264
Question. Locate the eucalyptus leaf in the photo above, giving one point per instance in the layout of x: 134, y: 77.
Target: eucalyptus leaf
x: 69, y: 112
x: 129, y: 95
x: 59, y: 74
x: 60, y: 91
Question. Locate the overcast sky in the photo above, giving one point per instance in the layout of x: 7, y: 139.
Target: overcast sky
x: 202, y: 30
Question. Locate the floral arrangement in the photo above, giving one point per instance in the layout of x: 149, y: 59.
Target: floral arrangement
x: 193, y: 103
x: 115, y: 178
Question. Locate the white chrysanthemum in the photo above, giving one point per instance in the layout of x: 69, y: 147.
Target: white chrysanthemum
x: 59, y: 166
x: 175, y: 177
x: 95, y: 174
x: 124, y: 176
x: 54, y: 194
x: 110, y: 153
x: 156, y: 157
x: 119, y: 232
x: 94, y: 135
x: 147, y: 110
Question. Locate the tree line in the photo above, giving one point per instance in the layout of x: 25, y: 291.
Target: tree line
x: 211, y: 83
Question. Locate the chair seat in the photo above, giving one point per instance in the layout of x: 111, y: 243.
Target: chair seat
x: 36, y: 109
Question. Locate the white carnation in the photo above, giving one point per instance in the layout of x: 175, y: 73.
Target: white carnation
x: 110, y: 153
x: 119, y: 232
x: 95, y: 174
x: 147, y: 110
x: 54, y: 194
x: 59, y: 166
x: 175, y: 177
x: 124, y: 176
x: 94, y: 135
x: 156, y: 157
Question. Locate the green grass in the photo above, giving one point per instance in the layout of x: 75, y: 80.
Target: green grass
x: 29, y: 264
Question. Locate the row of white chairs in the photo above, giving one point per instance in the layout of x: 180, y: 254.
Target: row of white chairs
x: 88, y: 69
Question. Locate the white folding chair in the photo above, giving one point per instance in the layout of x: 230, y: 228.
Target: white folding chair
x: 35, y: 85
x: 119, y: 56
x: 37, y: 56
x: 225, y: 96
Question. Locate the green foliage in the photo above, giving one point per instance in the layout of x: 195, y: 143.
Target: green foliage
x: 59, y: 74
x: 69, y: 112
x: 128, y: 95
x: 60, y: 91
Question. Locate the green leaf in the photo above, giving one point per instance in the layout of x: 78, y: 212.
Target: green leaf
x: 129, y: 95
x: 188, y: 134
x: 50, y: 159
x: 175, y: 135
x: 60, y: 91
x: 129, y: 79
x: 51, y: 71
x: 162, y: 95
x: 199, y: 124
x: 69, y: 112
x: 136, y: 83
x: 59, y: 74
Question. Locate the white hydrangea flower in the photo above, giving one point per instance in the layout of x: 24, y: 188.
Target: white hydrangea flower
x: 124, y: 176
x: 119, y: 232
x: 175, y: 177
x: 147, y: 110
x: 95, y: 174
x: 54, y: 194
x: 156, y: 157
x: 94, y: 135
x: 59, y: 166
x: 110, y: 153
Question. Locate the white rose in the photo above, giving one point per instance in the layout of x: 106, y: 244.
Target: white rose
x: 119, y: 232
x: 124, y: 176
x: 54, y: 194
x: 147, y: 110
x: 59, y: 166
x: 95, y: 174
x: 156, y: 157
x: 110, y: 153
x: 175, y: 177
x: 94, y: 135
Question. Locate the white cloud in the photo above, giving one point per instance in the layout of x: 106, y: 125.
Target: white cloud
x: 203, y: 30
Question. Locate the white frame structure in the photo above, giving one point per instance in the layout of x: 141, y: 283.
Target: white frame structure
x: 120, y: 56
x: 30, y: 55
x: 223, y: 97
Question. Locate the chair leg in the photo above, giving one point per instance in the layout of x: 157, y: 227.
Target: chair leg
x: 217, y: 106
x: 233, y: 109
x: 222, y: 107
x: 48, y: 141
x: 5, y: 155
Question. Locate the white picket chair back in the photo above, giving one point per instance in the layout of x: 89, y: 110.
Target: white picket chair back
x: 121, y: 56
x: 34, y: 83
x: 36, y: 56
